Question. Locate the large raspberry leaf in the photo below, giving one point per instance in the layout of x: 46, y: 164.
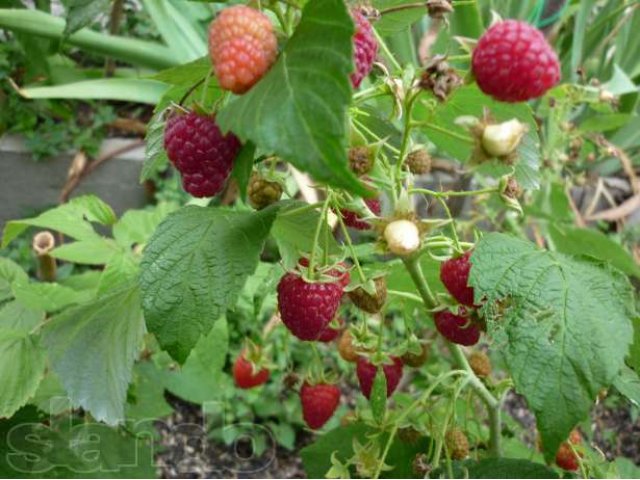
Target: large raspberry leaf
x: 298, y: 110
x: 193, y: 268
x: 22, y: 368
x: 441, y: 128
x: 92, y: 349
x: 564, y: 327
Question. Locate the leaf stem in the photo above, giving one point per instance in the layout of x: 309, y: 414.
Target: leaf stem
x: 464, y: 193
x: 316, y: 238
x: 386, y: 50
x: 347, y: 238
x: 492, y: 403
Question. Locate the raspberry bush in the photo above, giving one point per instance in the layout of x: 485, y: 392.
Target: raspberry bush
x: 382, y: 246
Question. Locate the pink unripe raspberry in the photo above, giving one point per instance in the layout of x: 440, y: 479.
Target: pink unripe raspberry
x: 242, y: 46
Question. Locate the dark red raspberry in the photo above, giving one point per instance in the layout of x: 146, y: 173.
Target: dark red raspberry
x: 329, y: 333
x: 351, y: 219
x: 244, y: 375
x: 513, y: 62
x: 307, y: 307
x: 454, y: 274
x: 242, y: 46
x: 319, y: 403
x: 366, y: 372
x: 456, y: 328
x: 201, y: 153
x: 365, y: 47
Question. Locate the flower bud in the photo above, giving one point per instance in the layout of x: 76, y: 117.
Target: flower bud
x: 402, y: 236
x: 502, y: 139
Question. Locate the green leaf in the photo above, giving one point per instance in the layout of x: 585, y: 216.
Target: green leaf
x: 294, y: 229
x: 139, y: 52
x: 187, y: 74
x: 199, y: 379
x: 507, y: 468
x: 73, y: 219
x: 396, y: 22
x: 316, y: 457
x: 628, y: 384
x: 564, y: 330
x: 49, y: 296
x: 242, y: 167
x: 50, y: 397
x: 378, y: 397
x: 634, y: 351
x: 82, y: 13
x: 10, y: 272
x: 123, y: 268
x: 582, y: 241
x: 604, y: 122
x: 92, y: 349
x: 186, y: 42
x: 149, y: 401
x: 298, y: 110
x: 95, y: 251
x: 155, y: 157
x: 135, y: 227
x: 441, y: 128
x: 193, y: 269
x: 21, y: 369
x: 16, y: 315
x: 123, y: 89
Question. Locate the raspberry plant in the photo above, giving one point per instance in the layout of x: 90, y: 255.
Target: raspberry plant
x: 332, y: 109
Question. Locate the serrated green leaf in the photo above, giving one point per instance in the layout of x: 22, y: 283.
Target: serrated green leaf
x: 441, y: 128
x: 73, y: 219
x: 583, y: 241
x: 135, y: 227
x: 294, y: 230
x: 298, y: 110
x: 49, y: 296
x: 94, y: 251
x: 20, y: 316
x: 92, y: 349
x: 122, y: 269
x: 50, y: 397
x: 193, y: 268
x: 155, y: 157
x: 565, y: 329
x: 378, y: 397
x: 507, y: 468
x: 22, y: 367
x: 199, y: 379
x: 10, y: 272
x: 634, y: 351
x: 628, y: 384
x: 188, y: 74
x: 149, y: 402
x: 242, y: 167
x: 82, y: 13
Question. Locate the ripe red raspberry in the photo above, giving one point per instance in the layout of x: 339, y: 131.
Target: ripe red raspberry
x: 242, y: 46
x: 513, y: 62
x: 201, y: 153
x: 244, y: 375
x: 319, y: 403
x: 565, y: 458
x: 330, y: 333
x: 307, y: 307
x: 351, y: 219
x: 456, y: 328
x: 366, y: 372
x: 454, y: 274
x: 365, y: 47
